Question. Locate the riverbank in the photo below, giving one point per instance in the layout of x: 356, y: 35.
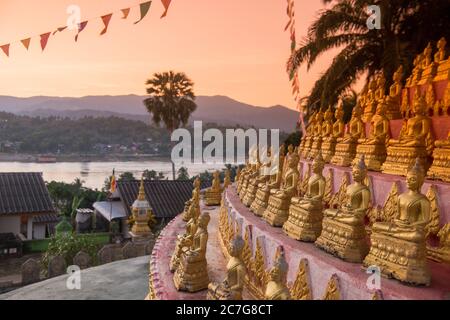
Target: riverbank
x: 27, y: 158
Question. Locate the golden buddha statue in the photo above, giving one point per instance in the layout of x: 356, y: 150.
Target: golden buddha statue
x: 443, y: 64
x: 346, y: 146
x: 242, y: 174
x: 187, y: 204
x: 429, y: 66
x: 416, y: 74
x: 370, y: 101
x: 441, y: 160
x: 260, y: 178
x: 247, y: 175
x: 404, y: 108
x: 343, y: 230
x: 337, y: 131
x: 227, y: 179
x: 305, y: 214
x: 276, y: 288
x: 317, y: 139
x: 232, y: 286
x: 192, y: 272
x: 395, y: 96
x: 259, y: 205
x: 185, y: 240
x: 214, y: 194
x: 399, y: 247
x: 238, y: 175
x: 309, y: 136
x: 380, y: 91
x: 250, y: 178
x: 277, y: 210
x: 415, y: 141
x: 374, y: 146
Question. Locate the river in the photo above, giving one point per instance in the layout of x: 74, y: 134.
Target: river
x: 93, y: 174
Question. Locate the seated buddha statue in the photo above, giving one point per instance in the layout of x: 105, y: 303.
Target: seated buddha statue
x: 185, y: 240
x: 246, y: 176
x: 370, y: 101
x: 380, y: 91
x: 214, y: 194
x: 415, y: 141
x: 192, y: 273
x: 242, y: 173
x: 276, y: 288
x: 317, y: 139
x: 277, y: 210
x: 251, y: 176
x: 429, y: 66
x: 260, y: 178
x: 187, y: 204
x: 305, y: 214
x: 343, y: 230
x: 441, y: 160
x: 443, y: 64
x: 232, y: 286
x: 374, y: 146
x: 309, y: 136
x: 337, y: 131
x: 227, y: 179
x: 346, y: 147
x: 399, y: 247
x: 416, y: 73
x: 259, y: 205
x: 395, y: 96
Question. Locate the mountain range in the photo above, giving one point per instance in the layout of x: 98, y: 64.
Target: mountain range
x: 213, y: 109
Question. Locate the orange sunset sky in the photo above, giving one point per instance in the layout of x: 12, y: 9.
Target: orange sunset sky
x: 236, y: 48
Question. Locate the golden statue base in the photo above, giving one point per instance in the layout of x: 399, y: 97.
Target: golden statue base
x: 374, y: 155
x: 303, y: 225
x: 344, y: 154
x: 441, y: 164
x: 403, y: 260
x: 400, y: 159
x: 250, y: 195
x: 259, y: 205
x: 328, y: 150
x: 191, y: 276
x: 277, y: 211
x: 308, y: 144
x: 213, y: 198
x: 316, y: 146
x: 347, y: 242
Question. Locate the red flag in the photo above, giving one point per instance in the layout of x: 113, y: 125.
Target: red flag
x: 125, y: 12
x: 106, y: 19
x: 26, y: 43
x: 166, y: 4
x: 60, y: 29
x: 5, y: 49
x: 44, y: 39
x: 145, y: 6
x: 81, y: 27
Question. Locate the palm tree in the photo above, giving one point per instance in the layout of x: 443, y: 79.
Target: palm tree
x: 171, y: 100
x: 406, y: 28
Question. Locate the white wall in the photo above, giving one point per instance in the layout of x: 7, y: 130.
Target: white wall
x: 10, y: 224
x: 39, y: 230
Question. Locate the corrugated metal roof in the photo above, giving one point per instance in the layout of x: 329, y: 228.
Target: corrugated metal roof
x: 166, y: 197
x: 46, y: 218
x: 24, y: 192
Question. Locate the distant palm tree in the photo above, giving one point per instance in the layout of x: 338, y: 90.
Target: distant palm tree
x: 171, y: 100
x: 406, y: 28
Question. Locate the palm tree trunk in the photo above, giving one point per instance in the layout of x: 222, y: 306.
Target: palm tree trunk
x: 171, y: 148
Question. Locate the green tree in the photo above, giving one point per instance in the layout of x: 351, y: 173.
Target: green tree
x: 153, y: 175
x: 183, y: 174
x: 126, y: 176
x: 171, y: 101
x: 406, y: 27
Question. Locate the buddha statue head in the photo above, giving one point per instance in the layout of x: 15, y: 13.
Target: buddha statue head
x: 415, y: 177
x: 357, y: 112
x: 278, y: 273
x: 236, y: 246
x: 420, y: 105
x: 339, y: 113
x: 197, y: 183
x: 381, y: 107
x: 290, y: 149
x: 359, y: 170
x: 318, y: 163
x: 328, y: 114
x: 373, y: 85
x: 397, y: 77
x: 293, y: 160
x: 203, y: 220
x: 319, y: 117
x: 381, y: 81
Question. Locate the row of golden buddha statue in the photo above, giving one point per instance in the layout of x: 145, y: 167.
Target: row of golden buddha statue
x: 342, y: 231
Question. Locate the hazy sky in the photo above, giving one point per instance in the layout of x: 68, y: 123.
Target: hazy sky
x: 236, y: 48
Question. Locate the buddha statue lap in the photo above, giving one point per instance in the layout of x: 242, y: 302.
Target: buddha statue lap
x: 399, y: 247
x: 441, y: 160
x: 443, y: 64
x: 370, y: 101
x: 343, y: 229
x: 374, y: 147
x: 277, y: 210
x: 317, y: 139
x: 305, y: 214
x: 394, y: 98
x: 259, y: 205
x: 415, y: 141
x: 187, y: 204
x: 276, y: 288
x: 337, y: 131
x: 192, y: 272
x: 232, y: 286
x: 346, y: 146
x: 214, y: 194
